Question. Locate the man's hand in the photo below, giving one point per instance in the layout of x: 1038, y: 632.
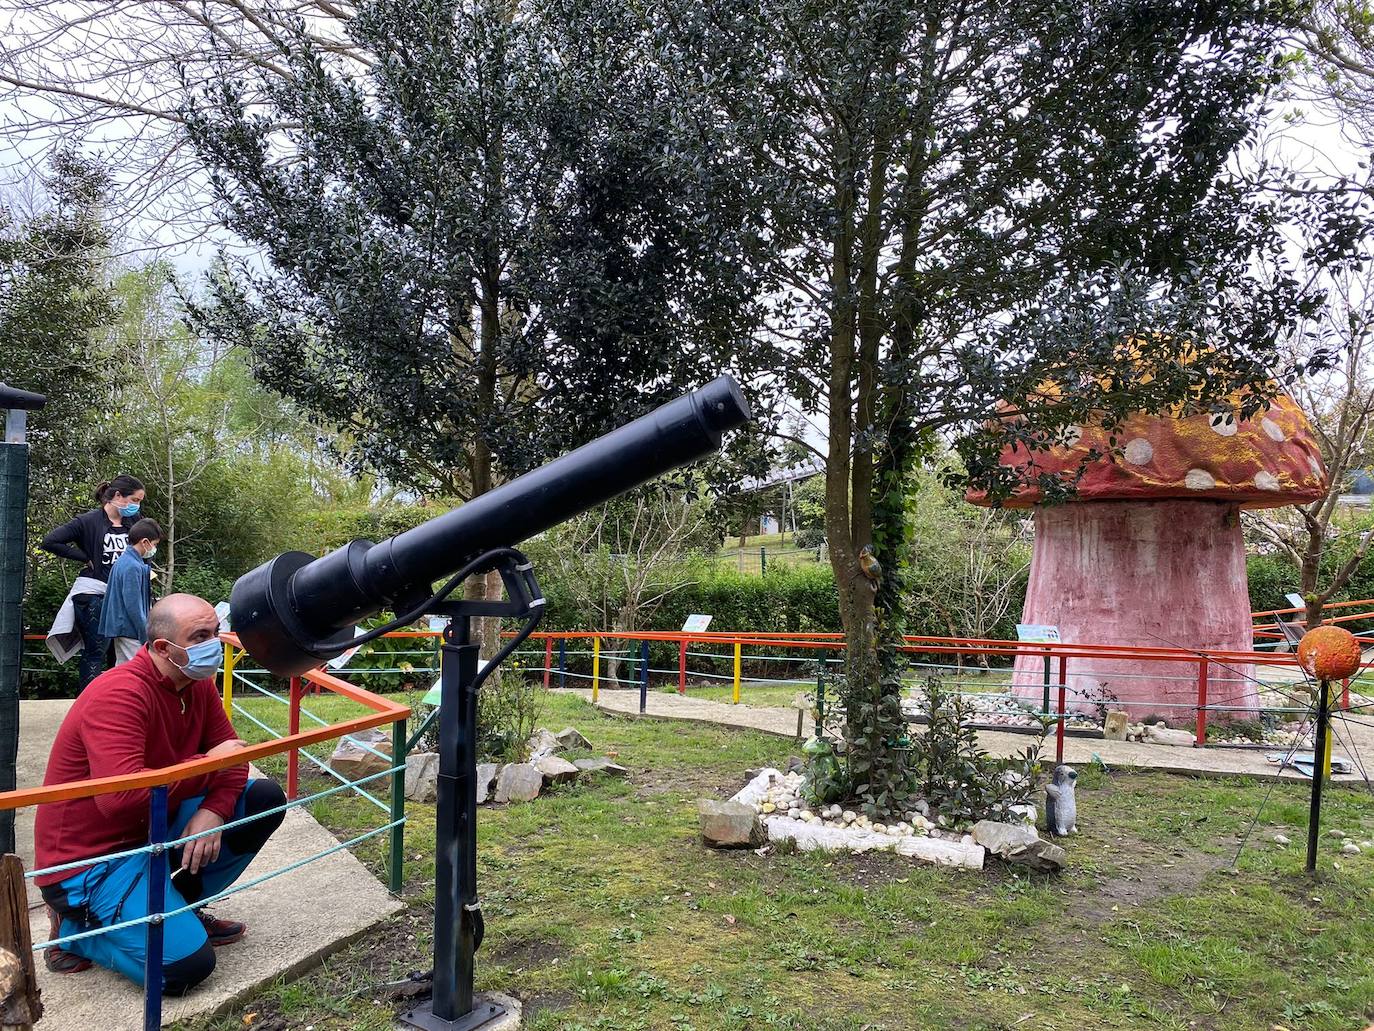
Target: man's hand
x: 226, y: 748
x: 202, y: 851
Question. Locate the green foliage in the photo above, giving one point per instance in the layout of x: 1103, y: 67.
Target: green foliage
x: 495, y: 255
x: 958, y: 778
x: 826, y: 779
x: 508, y: 710
x: 54, y: 300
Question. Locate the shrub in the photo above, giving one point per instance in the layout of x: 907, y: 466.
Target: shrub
x: 960, y: 781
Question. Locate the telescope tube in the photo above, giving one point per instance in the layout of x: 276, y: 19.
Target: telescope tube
x: 296, y: 611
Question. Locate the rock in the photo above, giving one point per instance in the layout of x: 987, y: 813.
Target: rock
x: 1114, y: 726
x: 422, y: 776
x: 1351, y: 849
x: 352, y: 760
x: 923, y: 807
x: 942, y: 852
x: 1161, y: 735
x: 1333, y: 833
x: 729, y: 824
x: 756, y: 791
x: 543, y: 743
x: 768, y: 807
x: 601, y: 765
x: 570, y: 739
x: 556, y: 770
x: 1281, y: 839
x: 848, y: 817
x: 1018, y: 844
x: 1003, y: 838
x: 795, y: 765
x: 1025, y: 813
x: 519, y: 782
x: 486, y: 773
x: 880, y: 828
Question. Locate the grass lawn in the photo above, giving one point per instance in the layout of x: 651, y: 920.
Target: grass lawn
x: 604, y: 912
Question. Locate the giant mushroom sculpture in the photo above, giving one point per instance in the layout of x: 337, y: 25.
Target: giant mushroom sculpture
x: 1150, y: 553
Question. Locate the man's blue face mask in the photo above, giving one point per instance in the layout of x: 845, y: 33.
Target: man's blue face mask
x: 202, y: 660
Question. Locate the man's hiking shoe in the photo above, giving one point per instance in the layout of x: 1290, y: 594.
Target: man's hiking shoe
x: 58, y: 959
x: 221, y: 932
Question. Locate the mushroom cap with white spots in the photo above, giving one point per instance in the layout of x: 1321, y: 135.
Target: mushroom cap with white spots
x: 1265, y: 461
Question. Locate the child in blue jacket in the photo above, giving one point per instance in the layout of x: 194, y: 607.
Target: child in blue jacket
x: 124, y: 615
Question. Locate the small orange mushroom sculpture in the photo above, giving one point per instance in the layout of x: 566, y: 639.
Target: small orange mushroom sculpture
x: 1150, y: 551
x: 1329, y: 653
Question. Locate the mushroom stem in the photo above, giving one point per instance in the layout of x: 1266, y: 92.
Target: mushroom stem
x: 1159, y: 573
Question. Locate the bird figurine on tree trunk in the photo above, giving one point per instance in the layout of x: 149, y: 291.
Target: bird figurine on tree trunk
x: 1061, y: 807
x: 870, y: 566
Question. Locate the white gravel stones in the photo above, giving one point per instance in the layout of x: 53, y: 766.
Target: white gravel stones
x: 1281, y: 839
x: 1139, y: 451
x: 1351, y: 849
x: 1199, y: 479
x: 833, y: 827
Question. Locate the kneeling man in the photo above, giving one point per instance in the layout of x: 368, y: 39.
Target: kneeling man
x: 158, y: 709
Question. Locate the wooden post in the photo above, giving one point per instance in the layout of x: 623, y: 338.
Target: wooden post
x: 20, y: 1006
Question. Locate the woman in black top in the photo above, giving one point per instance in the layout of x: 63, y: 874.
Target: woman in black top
x: 95, y: 539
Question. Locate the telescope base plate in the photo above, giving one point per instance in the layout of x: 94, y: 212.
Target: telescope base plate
x: 483, y: 1014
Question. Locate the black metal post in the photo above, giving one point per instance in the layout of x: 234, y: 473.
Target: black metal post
x: 643, y: 675
x: 457, y: 917
x: 1314, y: 816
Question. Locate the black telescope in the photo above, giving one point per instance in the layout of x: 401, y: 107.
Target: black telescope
x: 297, y: 611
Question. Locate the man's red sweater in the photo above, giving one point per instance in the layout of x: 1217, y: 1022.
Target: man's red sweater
x: 130, y: 719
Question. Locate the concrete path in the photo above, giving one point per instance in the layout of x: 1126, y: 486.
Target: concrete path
x: 1353, y: 740
x: 288, y: 929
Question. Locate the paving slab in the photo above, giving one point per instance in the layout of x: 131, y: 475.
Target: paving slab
x: 289, y: 929
x: 1355, y: 740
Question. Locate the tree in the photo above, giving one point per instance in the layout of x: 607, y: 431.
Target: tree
x: 482, y: 250
x: 54, y: 301
x: 1338, y: 40
x: 114, y: 77
x: 993, y: 222
x: 1340, y: 404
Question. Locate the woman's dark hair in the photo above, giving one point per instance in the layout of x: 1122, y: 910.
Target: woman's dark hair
x: 144, y: 530
x: 125, y: 485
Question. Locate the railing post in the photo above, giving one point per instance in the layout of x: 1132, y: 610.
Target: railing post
x: 682, y: 666
x: 1059, y: 729
x: 562, y: 662
x: 548, y: 661
x: 763, y: 560
x: 596, y: 668
x: 293, y: 727
x: 227, y: 680
x: 737, y: 657
x: 396, y: 853
x: 643, y: 675
x: 1202, y: 678
x: 157, y: 902
x: 1345, y: 693
x: 1063, y: 688
x: 820, y: 704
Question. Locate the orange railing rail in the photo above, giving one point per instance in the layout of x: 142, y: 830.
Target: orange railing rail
x: 384, y: 710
